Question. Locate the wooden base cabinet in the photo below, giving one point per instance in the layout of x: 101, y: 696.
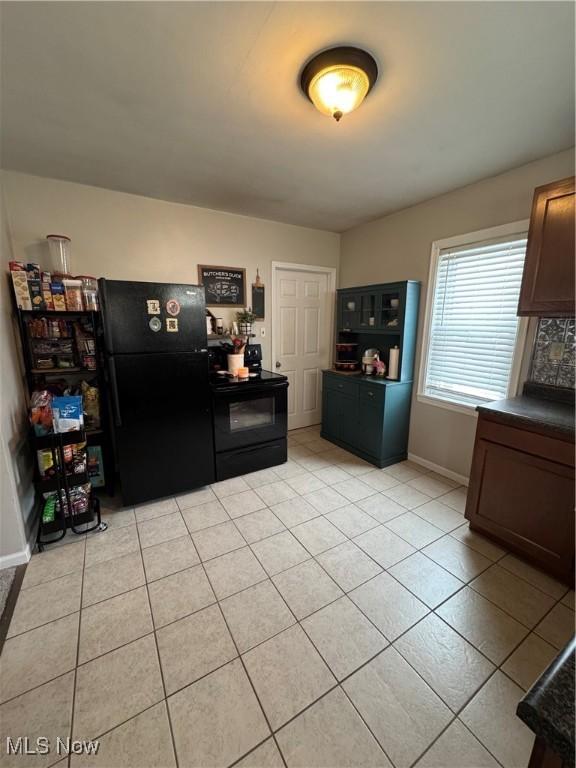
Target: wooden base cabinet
x: 367, y: 417
x: 521, y: 494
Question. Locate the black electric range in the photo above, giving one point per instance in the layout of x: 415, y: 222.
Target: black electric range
x: 250, y: 419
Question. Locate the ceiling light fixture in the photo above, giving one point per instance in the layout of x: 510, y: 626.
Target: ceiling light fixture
x: 338, y: 80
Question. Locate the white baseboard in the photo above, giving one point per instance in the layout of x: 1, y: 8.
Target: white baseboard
x: 462, y: 479
x: 16, y: 558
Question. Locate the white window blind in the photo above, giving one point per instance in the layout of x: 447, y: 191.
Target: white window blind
x: 474, y: 326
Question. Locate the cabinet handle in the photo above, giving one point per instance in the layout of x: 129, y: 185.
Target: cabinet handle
x: 340, y: 386
x: 370, y: 394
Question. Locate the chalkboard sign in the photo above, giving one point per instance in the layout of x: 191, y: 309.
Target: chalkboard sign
x: 224, y: 286
x: 258, y: 300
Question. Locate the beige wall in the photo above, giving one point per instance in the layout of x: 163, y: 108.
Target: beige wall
x: 16, y: 492
x: 127, y: 237
x: 397, y: 247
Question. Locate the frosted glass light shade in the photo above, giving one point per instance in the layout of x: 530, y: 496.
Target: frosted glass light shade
x: 338, y: 90
x: 338, y: 80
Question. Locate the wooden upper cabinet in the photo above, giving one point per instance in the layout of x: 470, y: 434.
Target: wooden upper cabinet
x: 548, y: 280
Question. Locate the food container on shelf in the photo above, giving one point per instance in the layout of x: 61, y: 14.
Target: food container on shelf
x: 89, y: 362
x: 43, y: 362
x: 346, y: 347
x: 65, y: 361
x: 89, y: 292
x: 73, y: 292
x: 234, y: 363
x: 60, y: 254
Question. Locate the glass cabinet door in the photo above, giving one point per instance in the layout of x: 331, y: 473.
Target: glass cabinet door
x: 368, y: 310
x: 390, y: 310
x: 349, y: 312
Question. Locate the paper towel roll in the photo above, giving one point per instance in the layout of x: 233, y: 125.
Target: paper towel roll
x: 393, y: 363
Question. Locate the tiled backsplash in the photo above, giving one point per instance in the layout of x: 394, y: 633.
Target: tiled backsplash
x: 553, y: 358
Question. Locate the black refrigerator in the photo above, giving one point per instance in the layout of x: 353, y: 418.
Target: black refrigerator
x: 157, y: 365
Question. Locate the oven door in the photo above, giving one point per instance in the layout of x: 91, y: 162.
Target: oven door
x: 251, y: 417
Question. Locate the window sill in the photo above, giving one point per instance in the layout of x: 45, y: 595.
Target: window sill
x: 449, y: 405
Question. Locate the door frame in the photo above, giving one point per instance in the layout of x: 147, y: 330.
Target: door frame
x: 292, y: 267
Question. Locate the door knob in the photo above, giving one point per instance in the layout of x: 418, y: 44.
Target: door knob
x: 278, y: 364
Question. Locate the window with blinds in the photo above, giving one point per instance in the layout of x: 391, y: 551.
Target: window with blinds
x: 473, y: 324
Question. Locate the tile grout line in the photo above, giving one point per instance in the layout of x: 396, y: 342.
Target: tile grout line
x: 455, y: 719
x: 340, y: 682
x: 54, y: 578
x: 239, y: 656
x: 125, y: 591
x: 159, y: 660
x: 391, y: 644
x: 78, y: 638
x: 497, y: 668
x: 366, y: 724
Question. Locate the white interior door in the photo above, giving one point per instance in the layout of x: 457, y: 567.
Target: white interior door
x: 302, y: 339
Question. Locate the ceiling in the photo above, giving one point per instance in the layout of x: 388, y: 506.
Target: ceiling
x: 199, y: 102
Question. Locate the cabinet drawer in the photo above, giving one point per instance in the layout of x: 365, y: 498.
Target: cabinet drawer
x: 341, y: 384
x: 372, y: 393
x: 552, y: 448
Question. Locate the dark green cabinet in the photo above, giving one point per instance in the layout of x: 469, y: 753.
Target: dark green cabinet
x: 348, y: 417
x: 340, y: 409
x: 381, y: 316
x: 366, y: 415
x: 370, y: 427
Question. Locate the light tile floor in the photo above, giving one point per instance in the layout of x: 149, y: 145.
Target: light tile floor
x: 321, y: 613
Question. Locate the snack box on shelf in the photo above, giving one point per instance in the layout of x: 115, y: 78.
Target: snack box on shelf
x: 35, y: 289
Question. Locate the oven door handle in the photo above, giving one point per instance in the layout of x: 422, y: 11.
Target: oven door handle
x: 249, y: 449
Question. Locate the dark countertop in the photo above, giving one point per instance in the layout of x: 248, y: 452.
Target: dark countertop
x: 548, y: 707
x: 359, y: 376
x: 550, y: 416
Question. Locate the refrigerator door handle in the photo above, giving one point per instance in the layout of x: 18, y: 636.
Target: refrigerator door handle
x: 114, y: 393
x: 102, y: 296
